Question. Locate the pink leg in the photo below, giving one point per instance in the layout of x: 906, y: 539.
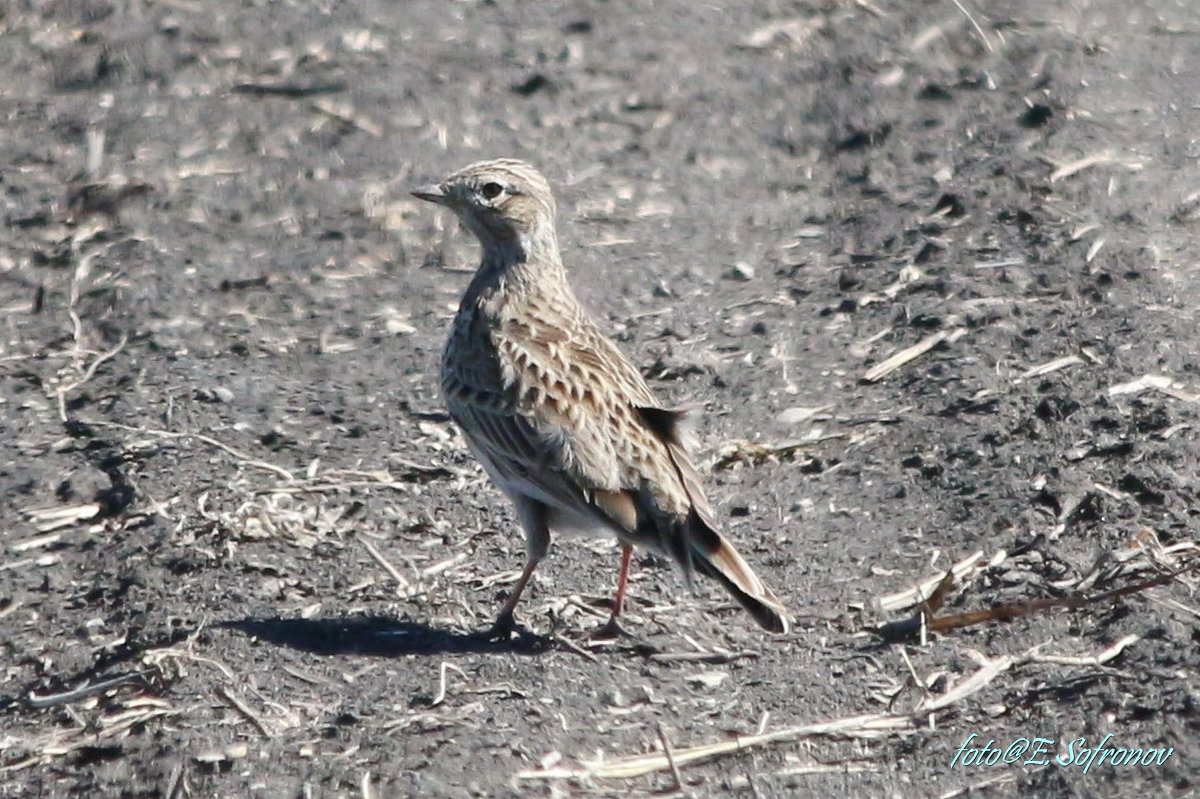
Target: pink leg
x: 622, y: 580
x: 612, y: 628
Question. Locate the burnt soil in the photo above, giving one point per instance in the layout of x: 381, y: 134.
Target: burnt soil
x: 222, y: 316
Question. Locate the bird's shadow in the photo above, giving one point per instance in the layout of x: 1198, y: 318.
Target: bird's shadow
x: 380, y: 636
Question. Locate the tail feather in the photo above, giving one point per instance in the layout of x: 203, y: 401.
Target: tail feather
x: 766, y: 611
x: 715, y: 557
x: 696, y: 543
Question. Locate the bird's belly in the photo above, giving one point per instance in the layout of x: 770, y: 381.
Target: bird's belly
x: 560, y: 519
x: 565, y: 521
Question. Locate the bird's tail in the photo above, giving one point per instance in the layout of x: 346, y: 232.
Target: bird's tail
x: 714, y: 557
x: 695, y: 541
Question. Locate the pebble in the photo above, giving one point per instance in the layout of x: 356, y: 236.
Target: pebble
x: 741, y: 271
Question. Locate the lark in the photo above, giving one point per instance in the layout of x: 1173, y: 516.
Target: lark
x: 563, y: 424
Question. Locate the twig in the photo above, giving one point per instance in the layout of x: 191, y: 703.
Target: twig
x: 1167, y: 602
x: 57, y: 747
x: 974, y: 25
x: 904, y: 356
x: 157, y: 655
x: 1160, y: 383
x: 848, y: 767
x: 1051, y: 366
x: 333, y: 488
x: 32, y: 356
x: 1074, y: 167
x: 12, y: 607
x: 212, y: 442
x: 173, y: 781
x: 290, y: 90
x: 82, y: 269
x: 440, y: 696
x: 444, y: 565
x: 975, y: 788
x: 1139, y: 385
x: 912, y: 672
x: 48, y: 519
x: 711, y: 658
x: 866, y: 726
x: 308, y: 678
x: 669, y: 752
x: 926, y: 618
x: 87, y: 375
x: 345, y: 113
x: 912, y: 596
x: 576, y: 648
x: 245, y: 710
x: 753, y: 452
x: 1098, y: 659
x: 989, y: 671
x: 84, y: 691
x: 401, y: 582
x: 999, y: 264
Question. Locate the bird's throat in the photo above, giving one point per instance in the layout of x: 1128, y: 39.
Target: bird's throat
x: 525, y: 260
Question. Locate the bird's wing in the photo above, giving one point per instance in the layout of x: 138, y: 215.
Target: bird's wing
x: 559, y: 416
x: 573, y: 424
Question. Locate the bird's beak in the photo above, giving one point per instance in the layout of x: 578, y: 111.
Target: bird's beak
x: 433, y: 193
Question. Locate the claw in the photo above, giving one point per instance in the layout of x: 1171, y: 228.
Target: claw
x: 502, y: 629
x: 609, y: 631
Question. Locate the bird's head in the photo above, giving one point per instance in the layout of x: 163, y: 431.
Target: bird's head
x: 502, y: 202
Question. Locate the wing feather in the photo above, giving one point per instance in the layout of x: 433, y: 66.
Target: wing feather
x: 556, y: 417
x: 568, y: 421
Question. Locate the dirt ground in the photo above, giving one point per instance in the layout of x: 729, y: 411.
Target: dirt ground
x: 244, y: 550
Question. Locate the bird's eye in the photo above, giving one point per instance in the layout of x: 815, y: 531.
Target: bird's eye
x: 491, y: 191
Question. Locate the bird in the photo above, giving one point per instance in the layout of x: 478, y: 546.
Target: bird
x: 557, y: 416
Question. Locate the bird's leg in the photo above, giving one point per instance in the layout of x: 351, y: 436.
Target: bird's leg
x: 612, y: 628
x: 622, y: 581
x: 506, y: 622
x: 532, y: 515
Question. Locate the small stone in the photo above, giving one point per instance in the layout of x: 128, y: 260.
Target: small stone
x: 798, y: 415
x: 741, y: 271
x: 615, y: 698
x: 707, y: 679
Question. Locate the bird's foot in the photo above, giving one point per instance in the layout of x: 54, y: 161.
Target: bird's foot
x: 503, y: 628
x: 609, y: 631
